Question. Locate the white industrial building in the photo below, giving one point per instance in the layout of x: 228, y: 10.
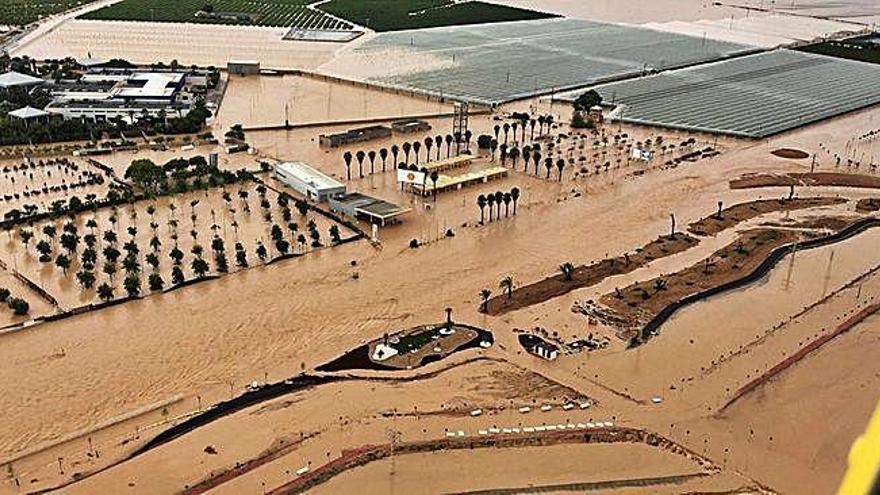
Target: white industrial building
x: 309, y: 182
x: 104, y: 95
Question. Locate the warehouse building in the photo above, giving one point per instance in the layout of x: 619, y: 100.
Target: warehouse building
x: 309, y: 182
x: 410, y: 126
x: 354, y: 136
x: 243, y: 67
x: 363, y: 207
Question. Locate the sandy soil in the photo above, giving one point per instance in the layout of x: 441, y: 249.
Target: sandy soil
x: 199, y: 345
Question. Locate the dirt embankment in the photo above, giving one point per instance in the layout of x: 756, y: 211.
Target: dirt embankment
x: 790, y: 153
x: 868, y: 204
x: 741, y: 212
x: 638, y: 303
x: 835, y: 179
x: 587, y: 275
x: 364, y: 455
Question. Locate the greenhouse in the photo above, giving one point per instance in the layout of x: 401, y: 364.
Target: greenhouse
x: 752, y: 96
x: 495, y: 63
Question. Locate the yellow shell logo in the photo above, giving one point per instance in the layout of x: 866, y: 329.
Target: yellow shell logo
x: 410, y: 176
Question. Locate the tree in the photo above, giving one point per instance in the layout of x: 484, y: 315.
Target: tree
x: 383, y: 155
x: 586, y: 101
x: 240, y: 255
x: 4, y: 294
x: 481, y: 202
x: 156, y: 282
x: 347, y: 156
x: 560, y: 164
x: 484, y: 297
x: 200, y: 267
x: 176, y: 256
x: 19, y: 306
x: 506, y: 198
x: 449, y: 140
x: 490, y: 199
x: 434, y: 177
x: 262, y: 253
x: 506, y: 284
x: 429, y: 143
x: 334, y: 233
x: 514, y: 196
x: 407, y: 147
x: 105, y: 292
x: 567, y: 270
x: 132, y: 284
x: 63, y: 262
x: 145, y: 174
x: 371, y: 155
x: 45, y: 251
x: 417, y: 146
x: 177, y: 276
x: 536, y: 159
x: 109, y: 269
x: 548, y: 164
x: 86, y: 279
x: 395, y: 150
x: 360, y: 155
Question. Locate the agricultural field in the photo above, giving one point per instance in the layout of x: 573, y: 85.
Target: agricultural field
x: 202, y: 224
x: 284, y: 13
x: 395, y: 15
x: 23, y: 12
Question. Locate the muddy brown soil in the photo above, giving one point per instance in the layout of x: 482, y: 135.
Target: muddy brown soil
x: 639, y: 302
x: 735, y: 214
x: 790, y: 153
x: 587, y: 275
x: 835, y: 179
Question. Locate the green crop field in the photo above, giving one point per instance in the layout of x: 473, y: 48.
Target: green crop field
x: 287, y: 13
x: 22, y: 12
x: 394, y: 15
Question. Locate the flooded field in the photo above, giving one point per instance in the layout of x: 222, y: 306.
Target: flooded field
x: 109, y: 380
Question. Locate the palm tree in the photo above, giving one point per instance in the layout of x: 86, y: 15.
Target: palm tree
x: 567, y: 270
x: 513, y: 153
x: 506, y: 128
x: 513, y: 127
x: 490, y: 199
x: 371, y: 155
x: 494, y: 147
x: 434, y: 177
x: 484, y: 297
x: 360, y: 155
x: 526, y: 155
x: 514, y: 195
x: 468, y: 135
x: 506, y: 284
x: 481, y: 202
x: 429, y: 143
x: 560, y: 164
x: 383, y: 154
x: 548, y: 164
x: 532, y: 123
x: 449, y: 140
x: 536, y: 159
x: 457, y: 136
x: 63, y: 262
x: 346, y: 156
x: 506, y: 198
x: 497, y: 130
x: 132, y: 284
x: 541, y: 120
x: 438, y: 140
x: 503, y: 153
x: 406, y: 149
x: 394, y: 152
x: 417, y: 146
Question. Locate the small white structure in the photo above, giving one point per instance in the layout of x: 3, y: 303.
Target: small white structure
x: 383, y: 352
x: 29, y: 114
x: 545, y: 350
x: 308, y: 181
x: 14, y: 79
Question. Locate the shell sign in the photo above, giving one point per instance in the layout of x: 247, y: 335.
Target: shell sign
x: 410, y: 176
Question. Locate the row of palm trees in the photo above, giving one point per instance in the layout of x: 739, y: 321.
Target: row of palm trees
x: 494, y: 202
x: 406, y: 149
x: 507, y: 284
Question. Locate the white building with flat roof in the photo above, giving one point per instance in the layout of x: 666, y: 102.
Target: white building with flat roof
x: 309, y: 182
